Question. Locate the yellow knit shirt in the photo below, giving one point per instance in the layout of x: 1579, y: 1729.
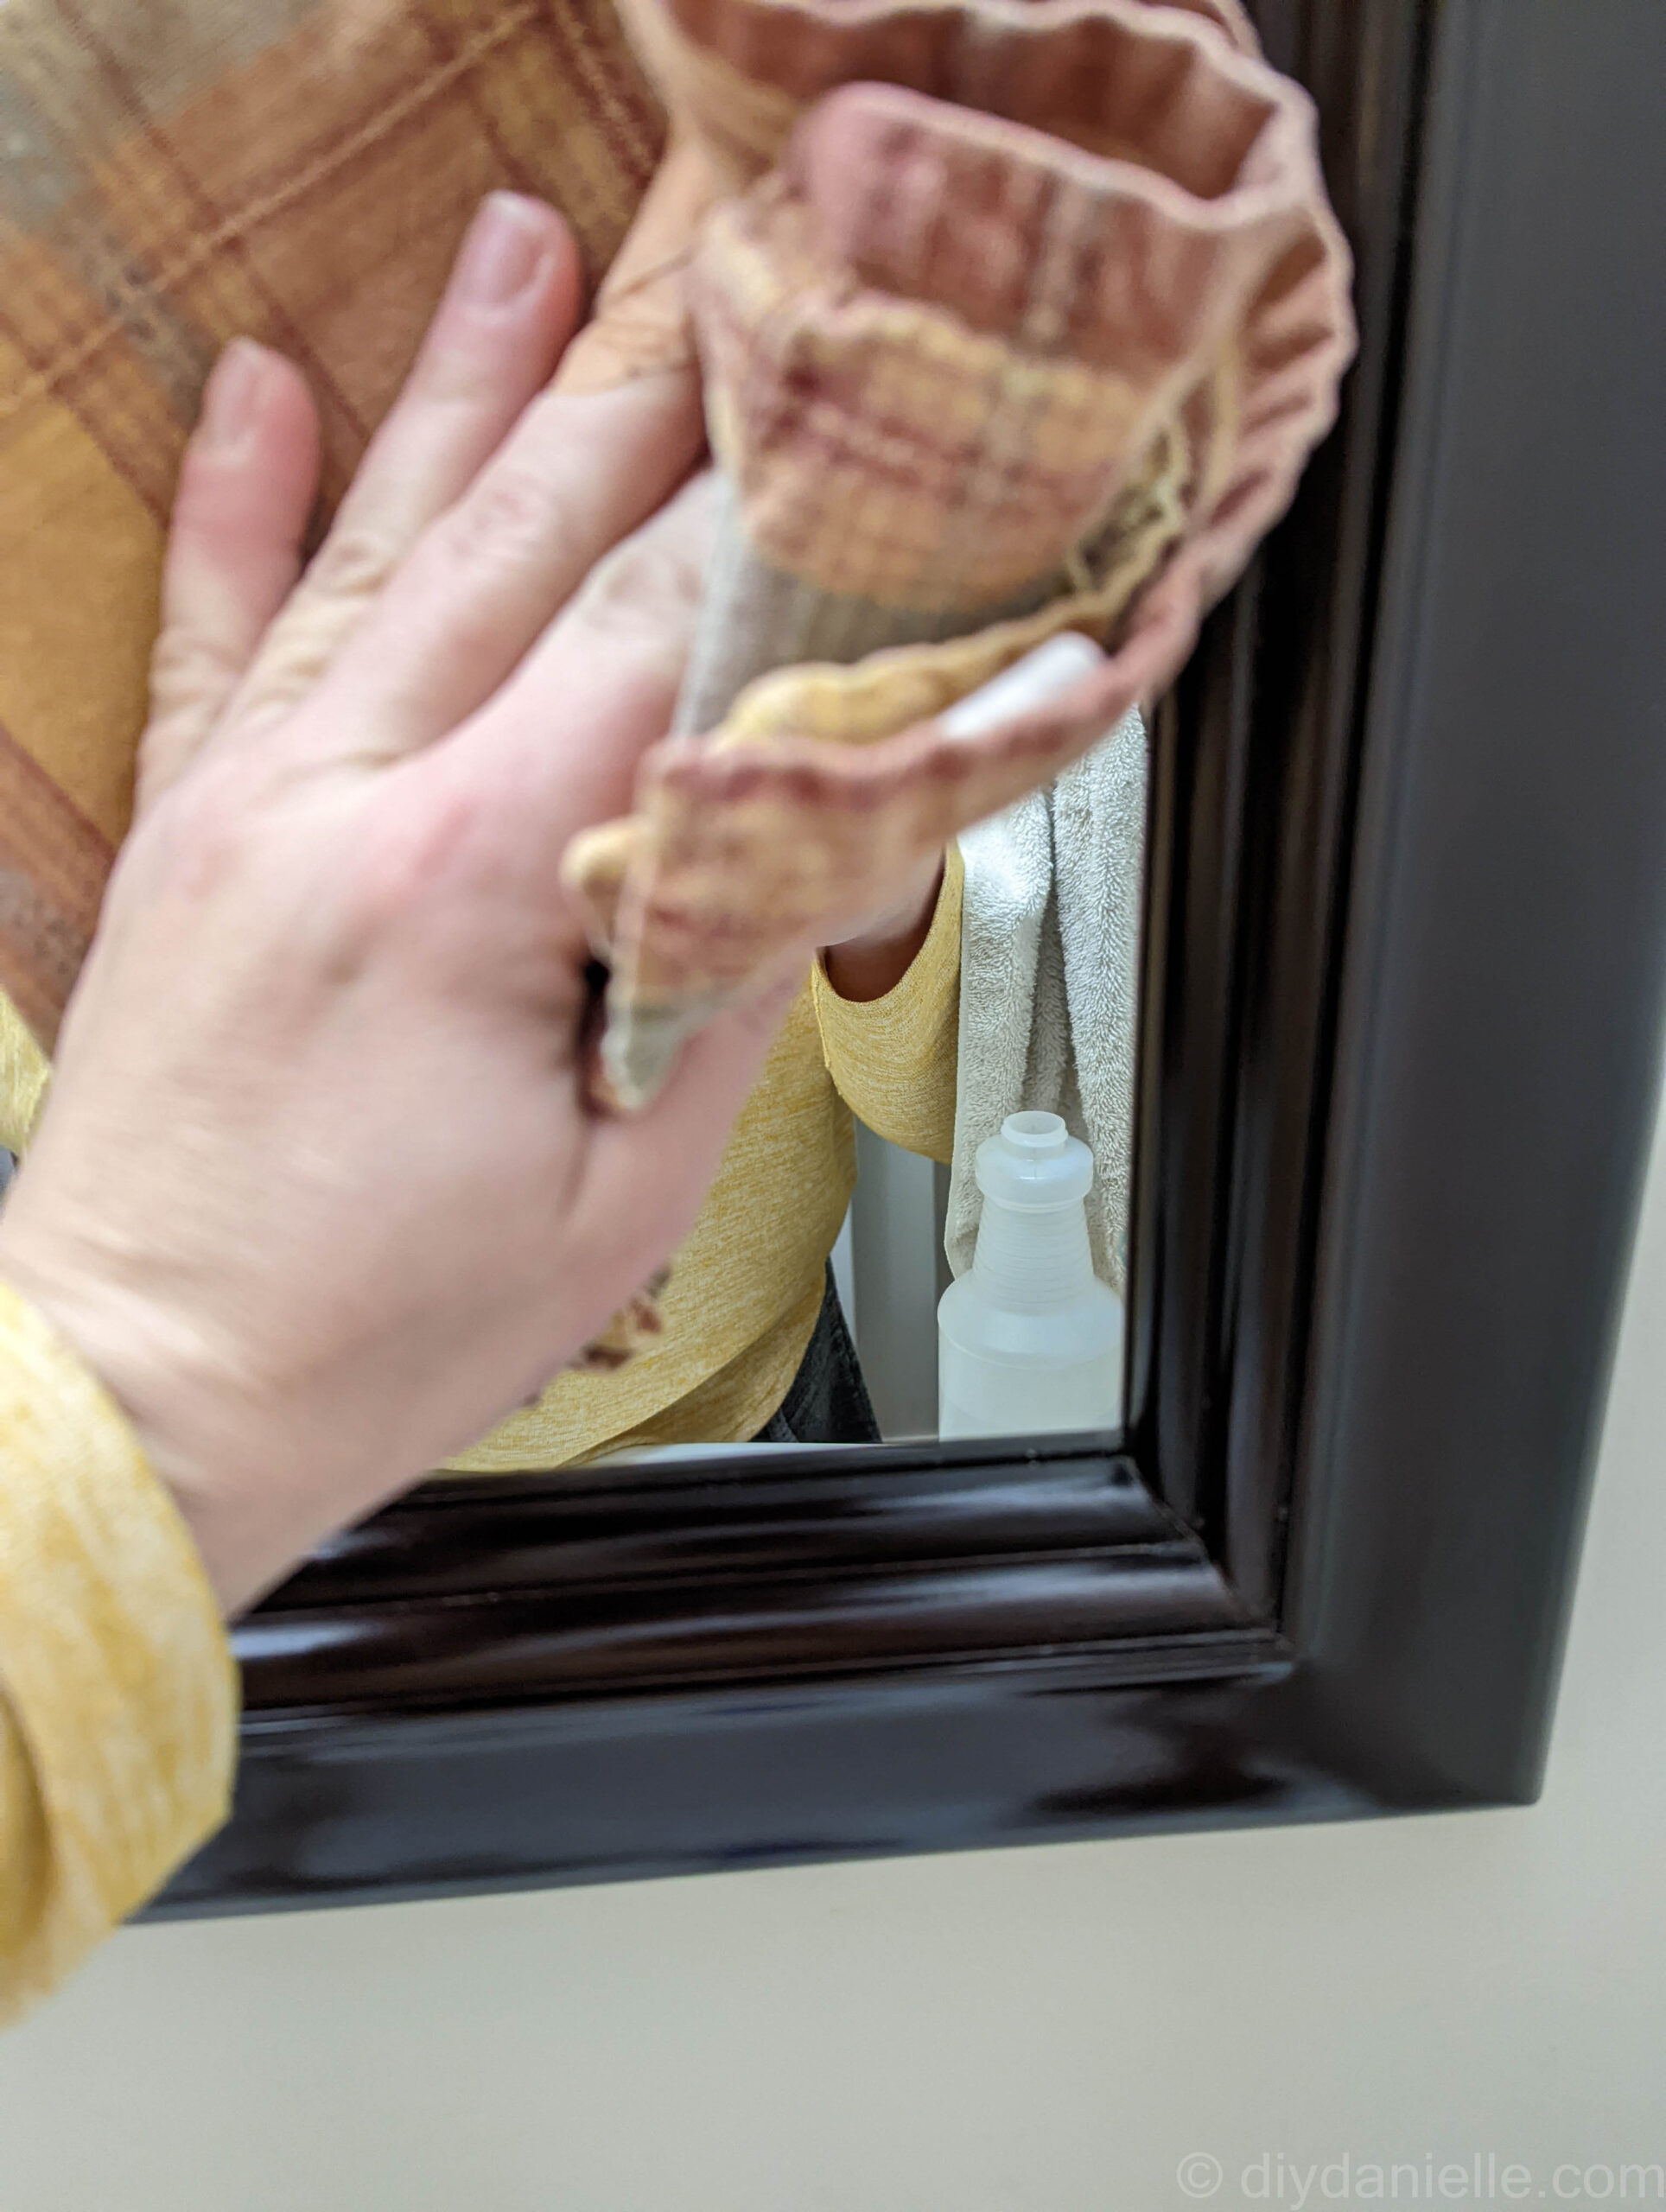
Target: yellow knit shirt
x: 118, y: 1692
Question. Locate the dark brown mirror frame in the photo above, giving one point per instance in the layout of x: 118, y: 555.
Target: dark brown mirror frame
x: 1405, y: 966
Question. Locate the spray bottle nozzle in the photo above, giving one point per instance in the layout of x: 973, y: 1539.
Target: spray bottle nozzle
x: 1034, y: 1164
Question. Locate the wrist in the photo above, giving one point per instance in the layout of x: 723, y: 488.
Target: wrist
x: 161, y: 1386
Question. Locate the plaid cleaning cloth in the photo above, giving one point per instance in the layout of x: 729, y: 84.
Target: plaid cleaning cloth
x: 1036, y: 333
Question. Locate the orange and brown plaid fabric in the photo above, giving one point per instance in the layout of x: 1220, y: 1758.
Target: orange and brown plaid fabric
x: 1035, y: 331
x: 173, y: 174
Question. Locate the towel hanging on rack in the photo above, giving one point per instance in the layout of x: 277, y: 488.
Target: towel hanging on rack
x: 1051, y: 904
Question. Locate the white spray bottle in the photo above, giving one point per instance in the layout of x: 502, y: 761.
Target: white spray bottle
x: 1029, y: 1338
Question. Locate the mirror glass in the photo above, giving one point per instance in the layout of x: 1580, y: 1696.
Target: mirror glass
x: 920, y: 1228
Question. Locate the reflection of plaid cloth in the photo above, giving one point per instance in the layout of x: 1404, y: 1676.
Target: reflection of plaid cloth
x: 1011, y: 312
x: 172, y: 175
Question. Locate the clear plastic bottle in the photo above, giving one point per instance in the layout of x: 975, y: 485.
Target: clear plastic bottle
x: 1029, y: 1338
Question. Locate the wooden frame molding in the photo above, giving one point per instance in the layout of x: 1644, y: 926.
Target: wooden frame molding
x: 1405, y: 959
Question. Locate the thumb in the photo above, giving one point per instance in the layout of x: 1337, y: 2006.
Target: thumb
x: 247, y: 488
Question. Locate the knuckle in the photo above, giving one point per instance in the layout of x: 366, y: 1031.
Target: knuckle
x: 456, y: 373
x: 353, y: 563
x: 651, y: 585
x: 209, y: 821
x: 207, y: 490
x: 412, y: 845
x: 294, y: 656
x: 188, y: 666
x: 192, y: 676
x: 510, y: 520
x: 347, y: 575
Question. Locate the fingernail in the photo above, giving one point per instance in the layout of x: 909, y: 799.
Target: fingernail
x: 502, y: 251
x: 231, y: 400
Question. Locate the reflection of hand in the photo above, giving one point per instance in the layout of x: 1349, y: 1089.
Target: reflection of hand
x: 874, y: 958
x: 316, y: 1193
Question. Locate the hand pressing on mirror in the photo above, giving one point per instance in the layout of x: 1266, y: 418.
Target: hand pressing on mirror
x: 307, y: 1257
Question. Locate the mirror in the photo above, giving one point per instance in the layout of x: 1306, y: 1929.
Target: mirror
x: 869, y: 1173
x: 956, y: 1140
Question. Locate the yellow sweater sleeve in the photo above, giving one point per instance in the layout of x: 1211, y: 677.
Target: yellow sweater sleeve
x: 23, y: 1074
x: 894, y: 1059
x: 118, y: 1697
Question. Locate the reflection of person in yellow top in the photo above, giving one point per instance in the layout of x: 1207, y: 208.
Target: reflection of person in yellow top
x: 746, y: 1287
x: 266, y: 1261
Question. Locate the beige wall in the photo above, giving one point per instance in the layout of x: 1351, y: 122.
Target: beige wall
x: 1045, y: 2031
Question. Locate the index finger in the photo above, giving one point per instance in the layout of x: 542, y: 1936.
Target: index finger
x: 511, y: 303
x: 578, y: 476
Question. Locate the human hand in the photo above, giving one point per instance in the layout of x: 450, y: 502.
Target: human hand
x: 317, y: 1192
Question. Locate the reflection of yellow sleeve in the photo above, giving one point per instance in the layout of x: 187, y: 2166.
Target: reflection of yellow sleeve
x: 119, y: 1698
x: 894, y: 1059
x: 22, y: 1077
